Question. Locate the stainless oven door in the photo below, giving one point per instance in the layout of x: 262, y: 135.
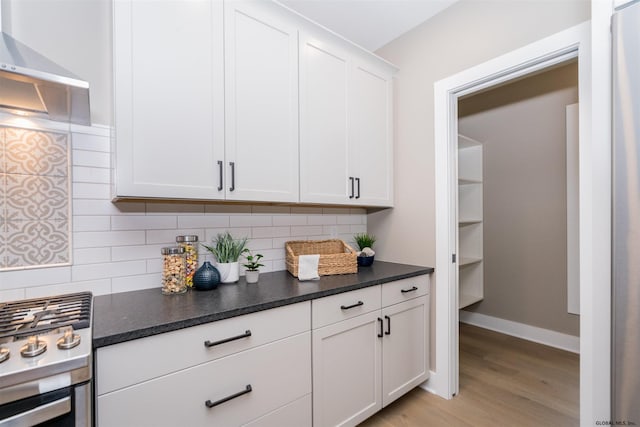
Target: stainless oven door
x: 70, y: 406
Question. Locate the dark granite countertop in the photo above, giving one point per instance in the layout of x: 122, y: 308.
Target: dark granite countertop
x: 127, y: 316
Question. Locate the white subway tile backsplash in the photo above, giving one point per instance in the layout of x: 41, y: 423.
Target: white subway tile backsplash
x: 270, y: 210
x: 321, y: 219
x: 203, y: 221
x: 215, y: 209
x: 116, y: 246
x: 91, y: 223
x: 84, y: 190
x: 289, y: 220
x: 91, y: 158
x: 135, y: 283
x: 306, y: 230
x: 265, y: 232
x: 89, y: 174
x: 96, y: 287
x: 137, y: 222
x: 129, y: 253
x: 107, y: 270
x: 92, y: 255
x: 12, y: 295
x: 250, y: 221
x: 94, y: 239
x: 106, y: 207
x: 351, y: 219
x: 165, y: 237
x: 83, y: 141
x: 34, y: 277
x: 157, y: 208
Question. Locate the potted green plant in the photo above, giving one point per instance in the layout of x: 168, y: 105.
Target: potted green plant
x: 227, y: 251
x: 252, y: 265
x: 365, y: 243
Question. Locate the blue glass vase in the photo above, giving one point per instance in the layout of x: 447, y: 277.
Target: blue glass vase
x: 206, y: 277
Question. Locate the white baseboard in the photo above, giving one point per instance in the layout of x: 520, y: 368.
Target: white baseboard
x: 520, y: 330
x: 433, y: 386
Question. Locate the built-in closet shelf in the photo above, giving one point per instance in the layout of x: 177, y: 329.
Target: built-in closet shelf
x: 464, y: 261
x: 470, y: 222
x: 466, y: 300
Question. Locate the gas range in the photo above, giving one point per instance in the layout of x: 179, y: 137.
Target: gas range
x: 45, y: 347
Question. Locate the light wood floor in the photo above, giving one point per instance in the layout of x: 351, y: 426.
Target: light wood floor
x: 504, y: 381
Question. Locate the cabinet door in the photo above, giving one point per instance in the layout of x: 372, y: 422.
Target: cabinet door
x: 371, y: 134
x: 169, y: 99
x: 324, y: 73
x: 261, y: 82
x: 405, y: 351
x: 346, y: 371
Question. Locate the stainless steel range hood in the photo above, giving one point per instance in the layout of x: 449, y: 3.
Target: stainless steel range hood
x: 31, y: 84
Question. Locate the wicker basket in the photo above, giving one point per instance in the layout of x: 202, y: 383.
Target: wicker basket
x: 336, y: 257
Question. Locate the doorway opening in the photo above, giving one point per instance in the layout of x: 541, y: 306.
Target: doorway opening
x: 517, y: 241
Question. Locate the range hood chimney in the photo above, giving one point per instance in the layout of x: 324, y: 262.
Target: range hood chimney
x: 31, y: 84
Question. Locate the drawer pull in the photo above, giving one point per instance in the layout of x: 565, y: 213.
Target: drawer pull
x: 246, y: 334
x: 381, y: 327
x: 388, y: 331
x: 404, y: 291
x: 347, y: 307
x: 211, y: 404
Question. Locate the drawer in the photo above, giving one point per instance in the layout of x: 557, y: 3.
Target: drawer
x: 335, y: 308
x: 278, y: 373
x: 132, y: 362
x: 296, y: 414
x: 405, y: 289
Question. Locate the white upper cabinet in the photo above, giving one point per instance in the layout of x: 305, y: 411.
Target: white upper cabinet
x: 371, y: 134
x: 168, y: 70
x: 245, y: 100
x: 261, y: 63
x: 346, y: 140
x: 324, y: 75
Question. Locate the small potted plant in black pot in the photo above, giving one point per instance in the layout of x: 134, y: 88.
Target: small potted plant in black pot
x: 365, y: 243
x: 253, y: 267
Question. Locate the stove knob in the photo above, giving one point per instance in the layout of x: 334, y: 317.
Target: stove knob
x: 4, y: 354
x: 33, y: 347
x: 68, y: 340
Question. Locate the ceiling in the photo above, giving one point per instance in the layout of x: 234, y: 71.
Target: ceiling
x: 369, y: 23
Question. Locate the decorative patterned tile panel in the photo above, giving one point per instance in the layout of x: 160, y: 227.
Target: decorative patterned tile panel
x: 36, y: 153
x: 37, y: 243
x: 34, y: 198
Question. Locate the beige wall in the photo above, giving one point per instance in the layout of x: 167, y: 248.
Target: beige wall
x: 522, y: 128
x: 466, y: 34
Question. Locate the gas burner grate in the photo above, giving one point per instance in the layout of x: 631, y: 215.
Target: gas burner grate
x: 38, y: 315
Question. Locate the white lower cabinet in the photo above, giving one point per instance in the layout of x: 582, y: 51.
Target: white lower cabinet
x: 365, y: 362
x: 258, y: 385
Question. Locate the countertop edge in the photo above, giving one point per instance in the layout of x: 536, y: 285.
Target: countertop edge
x: 118, y: 338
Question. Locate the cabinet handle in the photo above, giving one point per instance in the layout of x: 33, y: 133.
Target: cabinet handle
x: 211, y: 404
x: 404, y: 291
x: 381, y: 327
x: 358, y: 181
x: 352, y: 188
x: 246, y: 334
x: 220, y: 167
x: 347, y: 307
x: 233, y: 176
x: 388, y: 331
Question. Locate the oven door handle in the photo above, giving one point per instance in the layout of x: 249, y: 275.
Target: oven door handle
x: 39, y: 414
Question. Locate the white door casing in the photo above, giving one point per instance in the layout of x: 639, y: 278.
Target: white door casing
x: 594, y: 182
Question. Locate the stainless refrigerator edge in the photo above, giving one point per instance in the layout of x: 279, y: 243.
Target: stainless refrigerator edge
x: 625, y: 374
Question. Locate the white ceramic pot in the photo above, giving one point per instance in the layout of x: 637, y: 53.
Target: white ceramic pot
x: 251, y: 276
x: 229, y: 271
